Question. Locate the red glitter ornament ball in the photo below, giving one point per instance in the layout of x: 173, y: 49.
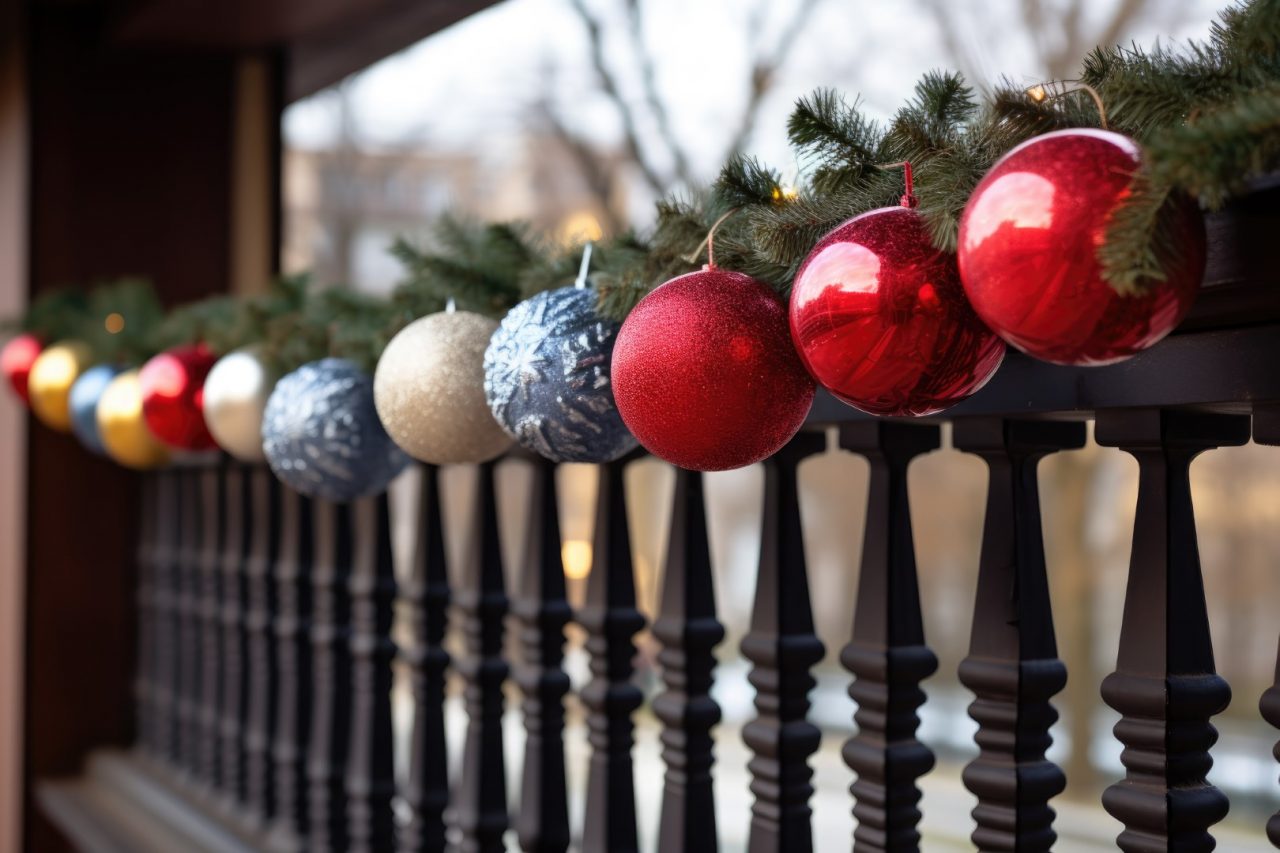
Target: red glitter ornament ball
x: 15, y: 362
x: 1029, y: 239
x: 172, y: 386
x: 880, y: 319
x: 704, y: 373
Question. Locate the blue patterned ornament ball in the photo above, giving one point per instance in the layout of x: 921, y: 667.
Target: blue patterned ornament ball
x: 322, y: 436
x: 83, y: 402
x: 547, y: 378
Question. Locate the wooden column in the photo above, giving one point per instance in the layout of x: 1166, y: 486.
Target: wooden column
x: 264, y: 540
x: 291, y: 634
x: 426, y: 791
x: 208, y: 616
x: 330, y: 676
x: 887, y: 654
x: 370, y: 777
x: 783, y: 647
x: 480, y: 798
x: 688, y: 630
x: 542, y: 611
x: 1165, y: 686
x: 234, y: 692
x: 1013, y: 666
x: 611, y: 620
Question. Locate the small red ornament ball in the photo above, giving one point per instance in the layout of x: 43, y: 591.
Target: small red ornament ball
x: 705, y: 375
x: 1029, y: 239
x: 15, y: 362
x: 880, y: 318
x: 172, y: 385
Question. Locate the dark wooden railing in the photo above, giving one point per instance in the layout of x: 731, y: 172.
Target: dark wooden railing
x: 266, y: 653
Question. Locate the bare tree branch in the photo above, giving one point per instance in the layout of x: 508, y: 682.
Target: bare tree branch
x: 598, y: 176
x: 609, y: 83
x: 960, y: 53
x: 648, y: 76
x: 765, y: 70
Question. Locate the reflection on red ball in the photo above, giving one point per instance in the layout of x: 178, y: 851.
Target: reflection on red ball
x: 705, y: 375
x: 1028, y: 251
x: 172, y: 386
x: 15, y: 362
x: 880, y: 319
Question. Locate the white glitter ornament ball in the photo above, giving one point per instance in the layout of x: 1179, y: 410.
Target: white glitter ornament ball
x: 322, y: 436
x: 235, y: 397
x: 547, y: 378
x: 429, y: 390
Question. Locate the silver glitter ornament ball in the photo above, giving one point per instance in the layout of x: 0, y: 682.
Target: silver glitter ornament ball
x: 321, y: 434
x: 546, y: 377
x: 235, y: 397
x: 429, y: 390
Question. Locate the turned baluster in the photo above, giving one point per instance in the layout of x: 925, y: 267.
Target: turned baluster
x: 292, y: 593
x: 238, y: 520
x: 212, y: 487
x: 783, y: 647
x: 1165, y: 686
x: 426, y: 791
x: 1270, y: 707
x: 370, y: 776
x: 188, y: 613
x: 887, y: 654
x: 331, y: 676
x: 144, y: 682
x: 164, y: 603
x: 265, y: 501
x: 611, y: 621
x: 543, y: 611
x: 688, y: 631
x: 480, y: 798
x: 1013, y: 666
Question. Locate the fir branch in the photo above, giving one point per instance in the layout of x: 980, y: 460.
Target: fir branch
x: 835, y: 138
x: 746, y: 181
x: 1138, y: 249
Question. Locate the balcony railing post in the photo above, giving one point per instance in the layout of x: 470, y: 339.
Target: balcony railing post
x: 783, y: 647
x: 611, y: 621
x: 212, y: 487
x: 264, y: 539
x: 887, y: 654
x: 370, y: 778
x: 688, y: 630
x: 1165, y: 686
x: 235, y: 669
x: 426, y: 791
x: 145, y: 678
x: 331, y: 676
x: 1013, y: 666
x: 188, y: 612
x: 480, y: 798
x: 1266, y: 430
x: 291, y: 593
x: 164, y: 605
x: 542, y: 824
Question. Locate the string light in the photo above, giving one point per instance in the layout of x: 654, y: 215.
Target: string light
x: 114, y: 324
x: 785, y: 192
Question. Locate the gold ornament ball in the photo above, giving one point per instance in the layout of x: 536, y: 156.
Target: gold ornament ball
x: 53, y: 373
x: 125, y: 434
x: 429, y: 390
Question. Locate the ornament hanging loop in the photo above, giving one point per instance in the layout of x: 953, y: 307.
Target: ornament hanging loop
x: 710, y: 242
x: 581, y: 282
x: 1041, y: 92
x: 908, y: 195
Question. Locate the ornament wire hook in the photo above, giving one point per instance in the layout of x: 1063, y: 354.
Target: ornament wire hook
x: 581, y: 282
x: 908, y: 196
x: 709, y: 241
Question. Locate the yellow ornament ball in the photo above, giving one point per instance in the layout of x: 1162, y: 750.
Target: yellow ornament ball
x: 124, y: 433
x: 53, y: 373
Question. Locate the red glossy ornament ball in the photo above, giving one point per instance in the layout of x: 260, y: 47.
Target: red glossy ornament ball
x: 880, y: 319
x: 15, y: 362
x: 1028, y: 251
x: 172, y: 386
x: 705, y: 375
